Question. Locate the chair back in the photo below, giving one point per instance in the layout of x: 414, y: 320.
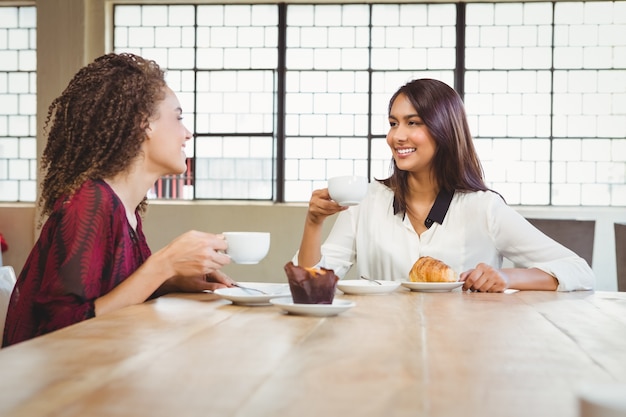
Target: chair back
x: 577, y: 235
x: 620, y: 255
x: 7, y: 282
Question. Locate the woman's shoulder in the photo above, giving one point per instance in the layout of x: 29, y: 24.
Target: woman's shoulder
x: 378, y: 188
x: 477, y: 199
x: 93, y: 196
x: 378, y: 194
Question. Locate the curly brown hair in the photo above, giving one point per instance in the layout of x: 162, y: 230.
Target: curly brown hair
x: 456, y: 163
x: 97, y: 125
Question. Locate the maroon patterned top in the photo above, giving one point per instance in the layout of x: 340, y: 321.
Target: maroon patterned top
x: 85, y: 249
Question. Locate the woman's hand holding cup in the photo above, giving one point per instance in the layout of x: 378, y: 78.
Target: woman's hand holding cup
x: 197, y: 253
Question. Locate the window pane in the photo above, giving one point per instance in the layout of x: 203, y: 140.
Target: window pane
x: 234, y: 167
x: 544, y: 85
x: 413, y: 36
x: 590, y: 100
x: 208, y: 52
x: 18, y: 103
x: 511, y: 93
x: 327, y: 95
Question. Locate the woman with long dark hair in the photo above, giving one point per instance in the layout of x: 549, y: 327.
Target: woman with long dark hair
x: 435, y: 203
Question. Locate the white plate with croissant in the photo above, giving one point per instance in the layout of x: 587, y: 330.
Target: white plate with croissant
x: 432, y: 286
x: 432, y: 275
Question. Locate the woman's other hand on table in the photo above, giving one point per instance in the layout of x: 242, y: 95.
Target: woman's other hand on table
x: 484, y: 278
x: 199, y: 283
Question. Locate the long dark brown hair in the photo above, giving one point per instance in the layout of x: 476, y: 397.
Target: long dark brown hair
x: 456, y: 164
x: 97, y: 125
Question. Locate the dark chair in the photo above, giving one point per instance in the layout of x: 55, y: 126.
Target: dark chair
x: 577, y: 235
x: 620, y: 255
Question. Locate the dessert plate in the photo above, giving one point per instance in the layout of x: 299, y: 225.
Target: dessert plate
x: 320, y: 310
x: 248, y: 296
x: 432, y: 286
x: 360, y: 286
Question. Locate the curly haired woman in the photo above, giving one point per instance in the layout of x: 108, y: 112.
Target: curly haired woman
x: 114, y: 131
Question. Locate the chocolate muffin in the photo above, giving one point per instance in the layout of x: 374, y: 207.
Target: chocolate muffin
x: 311, y: 285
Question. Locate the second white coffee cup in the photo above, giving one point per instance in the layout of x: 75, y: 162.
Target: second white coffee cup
x: 347, y: 190
x: 247, y: 247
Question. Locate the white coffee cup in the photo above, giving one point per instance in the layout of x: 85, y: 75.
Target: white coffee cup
x: 247, y: 247
x: 347, y: 190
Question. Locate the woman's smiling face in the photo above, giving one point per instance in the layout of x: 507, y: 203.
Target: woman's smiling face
x: 410, y: 141
x: 167, y: 135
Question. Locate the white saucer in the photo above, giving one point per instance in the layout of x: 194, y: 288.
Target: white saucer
x: 244, y: 296
x: 321, y: 310
x: 432, y: 286
x: 360, y: 286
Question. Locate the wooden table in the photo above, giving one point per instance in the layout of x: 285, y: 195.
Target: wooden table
x: 402, y: 354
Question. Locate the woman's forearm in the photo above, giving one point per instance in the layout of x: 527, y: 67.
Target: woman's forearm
x: 137, y: 288
x: 530, y: 279
x: 311, y: 245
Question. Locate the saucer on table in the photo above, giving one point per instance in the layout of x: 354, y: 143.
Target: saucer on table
x: 361, y: 286
x: 248, y: 295
x: 321, y: 310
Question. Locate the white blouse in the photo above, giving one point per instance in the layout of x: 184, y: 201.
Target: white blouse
x: 478, y: 227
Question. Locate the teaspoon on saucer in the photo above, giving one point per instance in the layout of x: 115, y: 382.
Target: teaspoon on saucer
x: 370, y: 279
x: 235, y: 284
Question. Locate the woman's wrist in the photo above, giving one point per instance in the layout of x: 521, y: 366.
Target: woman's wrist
x: 161, y: 265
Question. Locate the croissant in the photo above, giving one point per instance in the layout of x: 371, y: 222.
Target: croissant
x: 428, y: 269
